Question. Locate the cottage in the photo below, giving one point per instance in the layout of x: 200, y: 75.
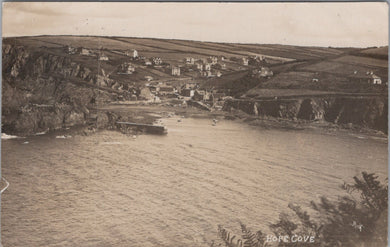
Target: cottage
x: 206, y: 73
x: 218, y: 74
x: 103, y: 57
x: 135, y: 53
x: 374, y: 79
x: 71, y: 50
x: 157, y: 61
x: 214, y: 60
x: 207, y: 67
x: 190, y: 85
x: 175, y: 71
x: 86, y: 52
x: 199, y: 66
x: 190, y: 60
x: 130, y: 69
x: 245, y: 61
x: 265, y: 72
x: 148, y: 62
x: 126, y: 68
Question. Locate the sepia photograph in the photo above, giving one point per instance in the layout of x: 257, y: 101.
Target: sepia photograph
x: 203, y: 124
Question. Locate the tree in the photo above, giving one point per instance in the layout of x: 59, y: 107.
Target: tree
x: 356, y: 220
x: 346, y: 222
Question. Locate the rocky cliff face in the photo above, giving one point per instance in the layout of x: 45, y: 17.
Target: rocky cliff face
x: 370, y: 112
x: 42, y: 91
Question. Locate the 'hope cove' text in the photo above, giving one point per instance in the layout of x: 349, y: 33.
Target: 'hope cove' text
x: 291, y: 239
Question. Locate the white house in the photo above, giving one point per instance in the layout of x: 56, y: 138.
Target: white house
x: 245, y: 61
x: 175, y: 71
x: 85, y: 52
x: 265, y: 72
x: 374, y: 79
x: 157, y: 60
x: 206, y: 73
x: 72, y: 50
x: 214, y: 60
x: 135, y: 53
x: 190, y: 60
x: 130, y: 69
x: 103, y: 57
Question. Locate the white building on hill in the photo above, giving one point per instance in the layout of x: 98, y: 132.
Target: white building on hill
x: 103, y: 57
x: 135, y: 53
x: 175, y: 71
x: 245, y: 61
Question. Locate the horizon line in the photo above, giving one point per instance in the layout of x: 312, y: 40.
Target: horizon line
x: 218, y: 42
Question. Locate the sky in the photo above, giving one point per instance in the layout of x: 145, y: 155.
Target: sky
x: 307, y: 24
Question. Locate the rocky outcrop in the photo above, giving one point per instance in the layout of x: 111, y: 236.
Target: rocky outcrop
x: 20, y: 62
x: 370, y: 112
x: 43, y: 91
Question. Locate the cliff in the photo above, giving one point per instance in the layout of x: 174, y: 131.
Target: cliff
x: 43, y: 91
x: 370, y: 111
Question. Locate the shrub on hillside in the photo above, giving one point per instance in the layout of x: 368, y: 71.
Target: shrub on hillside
x: 359, y: 219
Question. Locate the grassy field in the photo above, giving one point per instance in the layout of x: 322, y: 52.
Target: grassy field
x: 293, y: 52
x: 366, y: 61
x: 376, y: 51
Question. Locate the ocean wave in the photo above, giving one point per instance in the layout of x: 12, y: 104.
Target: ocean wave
x: 5, y: 136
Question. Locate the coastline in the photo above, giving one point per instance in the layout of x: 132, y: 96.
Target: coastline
x: 154, y: 111
x: 105, y: 118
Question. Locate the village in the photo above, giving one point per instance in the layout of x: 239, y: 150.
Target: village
x: 154, y: 79
x: 181, y: 79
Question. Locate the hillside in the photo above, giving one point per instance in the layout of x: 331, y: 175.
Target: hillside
x: 54, y: 81
x: 328, y: 64
x: 346, y: 72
